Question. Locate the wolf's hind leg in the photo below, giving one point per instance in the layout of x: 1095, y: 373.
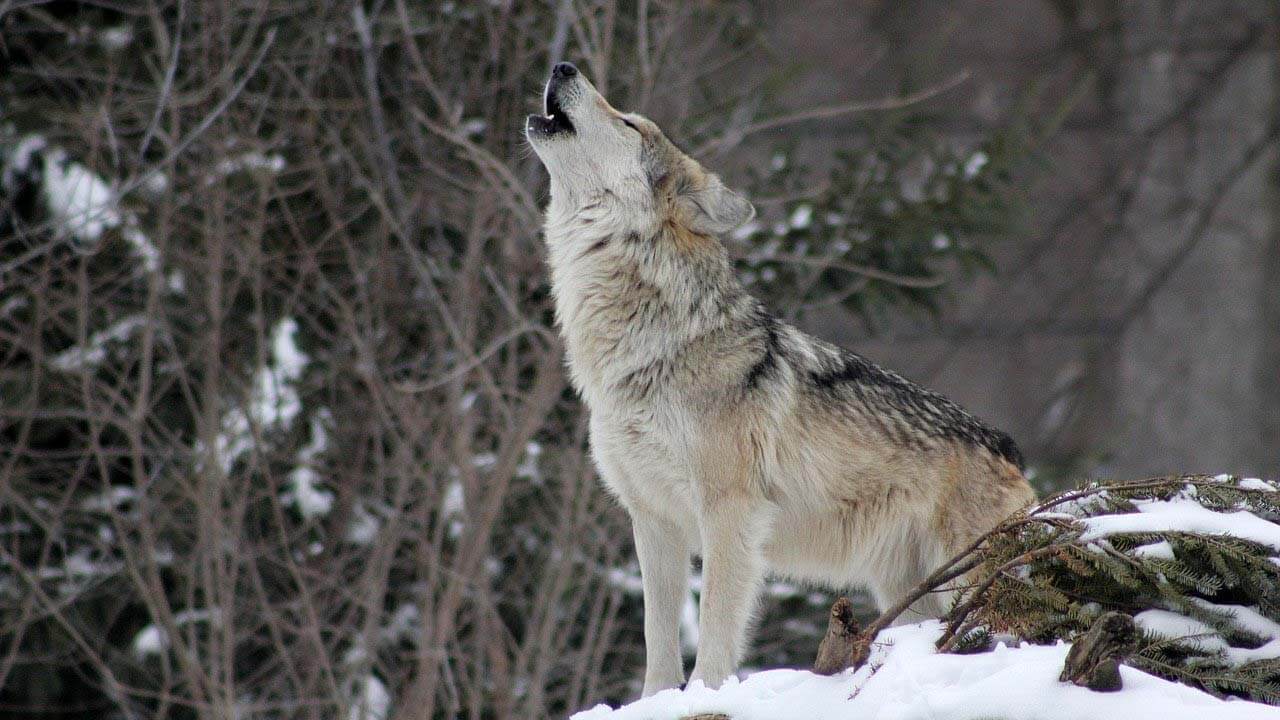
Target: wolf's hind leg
x: 906, y: 575
x: 663, y: 550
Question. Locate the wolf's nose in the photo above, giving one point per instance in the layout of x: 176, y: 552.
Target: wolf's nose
x: 564, y: 70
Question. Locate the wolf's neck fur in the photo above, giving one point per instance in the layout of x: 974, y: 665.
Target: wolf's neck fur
x: 631, y: 297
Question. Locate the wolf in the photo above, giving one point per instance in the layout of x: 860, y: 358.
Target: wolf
x: 722, y: 430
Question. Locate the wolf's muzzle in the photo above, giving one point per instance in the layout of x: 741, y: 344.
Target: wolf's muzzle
x: 556, y: 120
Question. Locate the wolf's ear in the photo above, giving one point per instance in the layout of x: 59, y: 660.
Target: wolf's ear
x: 715, y: 209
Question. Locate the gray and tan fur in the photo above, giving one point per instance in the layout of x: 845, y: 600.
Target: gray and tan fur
x: 722, y: 430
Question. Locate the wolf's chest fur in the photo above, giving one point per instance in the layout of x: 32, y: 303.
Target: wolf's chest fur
x: 645, y: 320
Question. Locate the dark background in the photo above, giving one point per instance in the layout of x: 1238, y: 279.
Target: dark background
x: 1132, y: 328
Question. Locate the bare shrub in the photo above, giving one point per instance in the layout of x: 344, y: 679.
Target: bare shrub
x: 284, y: 429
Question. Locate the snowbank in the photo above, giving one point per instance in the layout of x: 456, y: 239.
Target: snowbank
x: 907, y: 680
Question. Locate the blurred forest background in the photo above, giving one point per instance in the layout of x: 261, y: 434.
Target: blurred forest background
x: 284, y: 429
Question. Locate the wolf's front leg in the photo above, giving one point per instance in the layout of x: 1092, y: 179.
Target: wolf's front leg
x: 733, y: 535
x: 663, y: 550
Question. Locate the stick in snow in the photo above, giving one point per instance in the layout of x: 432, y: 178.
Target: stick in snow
x: 1095, y: 657
x: 840, y: 648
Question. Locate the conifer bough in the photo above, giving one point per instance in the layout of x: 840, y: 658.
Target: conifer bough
x: 1194, y: 561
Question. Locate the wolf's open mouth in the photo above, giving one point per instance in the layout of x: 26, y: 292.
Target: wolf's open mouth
x: 556, y: 120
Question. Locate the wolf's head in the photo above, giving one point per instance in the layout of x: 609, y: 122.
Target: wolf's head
x: 595, y: 152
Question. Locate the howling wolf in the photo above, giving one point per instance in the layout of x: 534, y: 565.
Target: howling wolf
x: 722, y: 430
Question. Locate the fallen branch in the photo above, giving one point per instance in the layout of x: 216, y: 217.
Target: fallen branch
x: 1175, y: 556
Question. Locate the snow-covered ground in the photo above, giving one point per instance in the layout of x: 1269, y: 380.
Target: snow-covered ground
x: 906, y: 680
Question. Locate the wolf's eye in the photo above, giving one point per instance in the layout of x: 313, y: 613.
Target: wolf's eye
x: 629, y: 124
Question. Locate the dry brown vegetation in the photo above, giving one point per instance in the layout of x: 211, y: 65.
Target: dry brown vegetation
x: 284, y: 429
x: 351, y: 179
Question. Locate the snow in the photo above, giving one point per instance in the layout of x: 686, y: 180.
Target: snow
x: 80, y: 564
x: 627, y: 580
x: 454, y: 500
x: 78, y: 570
x: 156, y: 183
x: 1196, y: 634
x: 152, y: 639
x: 1088, y: 504
x: 310, y: 500
x: 746, y: 231
x: 802, y: 217
x: 1186, y: 515
x: 1251, y: 621
x: 1246, y: 618
x: 94, y: 351
x: 374, y: 700
x: 1191, y: 632
x: 250, y: 161
x: 274, y: 401
x: 974, y: 164
x: 1239, y: 656
x: 906, y: 679
x: 1161, y: 549
x: 110, y: 499
x: 81, y: 202
x: 141, y: 245
x: 287, y: 358
x: 364, y: 526
x: 528, y: 467
x: 403, y: 623
x: 115, y: 38
x: 454, y: 505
